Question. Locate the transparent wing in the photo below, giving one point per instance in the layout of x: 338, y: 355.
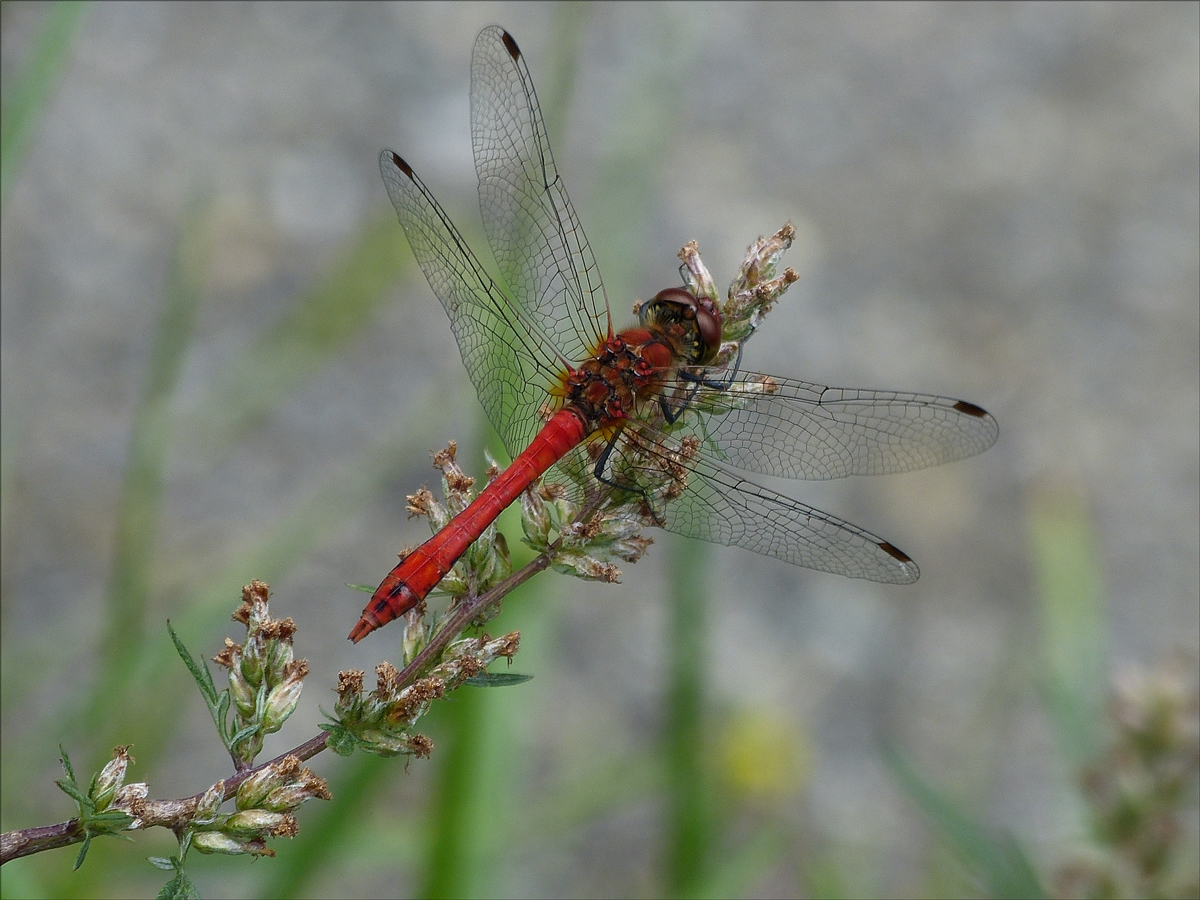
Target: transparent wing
x: 722, y: 507
x: 797, y: 429
x: 684, y: 492
x: 511, y: 364
x: 535, y: 235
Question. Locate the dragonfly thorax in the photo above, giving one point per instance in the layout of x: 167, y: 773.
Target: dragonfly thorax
x: 689, y: 324
x: 625, y: 369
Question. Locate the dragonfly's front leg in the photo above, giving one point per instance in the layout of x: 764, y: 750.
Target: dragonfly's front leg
x: 674, y: 408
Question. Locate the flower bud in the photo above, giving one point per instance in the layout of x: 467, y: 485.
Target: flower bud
x: 393, y: 745
x: 253, y: 655
x: 279, y: 655
x: 139, y: 790
x: 583, y: 566
x: 258, y: 821
x: 281, y: 703
x: 110, y: 779
x: 254, y: 789
x: 631, y: 549
x: 505, y: 646
x: 206, y: 808
x: 254, y: 609
x: 349, y: 705
x: 216, y: 842
x: 535, y: 518
x: 416, y: 636
x: 242, y: 694
x: 288, y: 797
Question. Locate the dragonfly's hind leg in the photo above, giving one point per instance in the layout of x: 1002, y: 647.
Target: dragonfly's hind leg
x: 603, y: 474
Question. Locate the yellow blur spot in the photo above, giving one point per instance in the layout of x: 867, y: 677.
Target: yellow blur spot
x: 763, y: 754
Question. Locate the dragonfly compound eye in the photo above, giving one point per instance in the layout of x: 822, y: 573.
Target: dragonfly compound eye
x: 697, y: 322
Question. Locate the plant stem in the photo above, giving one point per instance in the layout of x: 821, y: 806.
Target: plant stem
x: 175, y: 814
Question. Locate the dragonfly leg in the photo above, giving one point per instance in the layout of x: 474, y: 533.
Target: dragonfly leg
x: 602, y: 464
x: 672, y: 410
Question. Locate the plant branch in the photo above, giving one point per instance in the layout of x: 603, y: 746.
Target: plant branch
x: 175, y: 814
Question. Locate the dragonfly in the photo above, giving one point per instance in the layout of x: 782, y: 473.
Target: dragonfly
x: 658, y: 414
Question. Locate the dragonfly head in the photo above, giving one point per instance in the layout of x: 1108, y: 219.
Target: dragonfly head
x: 691, y: 324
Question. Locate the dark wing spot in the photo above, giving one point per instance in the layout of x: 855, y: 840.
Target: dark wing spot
x: 511, y: 46
x: 895, y: 552
x: 401, y: 164
x: 970, y: 409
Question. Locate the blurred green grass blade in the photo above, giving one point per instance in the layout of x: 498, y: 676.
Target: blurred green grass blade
x: 324, y: 319
x: 20, y: 880
x: 689, y: 801
x: 33, y: 89
x: 558, y: 79
x: 477, y: 755
x: 137, y: 520
x: 454, y: 865
x: 201, y: 608
x: 997, y: 861
x: 128, y: 588
x: 736, y: 874
x: 204, y: 607
x: 321, y: 839
x: 824, y: 879
x: 1074, y: 617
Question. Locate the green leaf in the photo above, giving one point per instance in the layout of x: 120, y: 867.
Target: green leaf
x: 178, y: 888
x: 366, y: 589
x: 244, y: 733
x: 161, y: 862
x: 109, y: 822
x: 996, y: 860
x: 200, y: 671
x: 72, y: 790
x: 340, y: 741
x: 87, y: 842
x: 66, y: 763
x: 221, y: 716
x: 497, y: 679
x: 1074, y: 617
x: 34, y: 88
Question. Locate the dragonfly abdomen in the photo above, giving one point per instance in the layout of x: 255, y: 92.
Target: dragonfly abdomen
x: 418, y: 573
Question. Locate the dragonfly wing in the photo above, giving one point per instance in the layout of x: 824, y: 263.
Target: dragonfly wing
x: 797, y: 429
x: 535, y: 235
x: 691, y: 495
x: 510, y: 362
x: 724, y: 508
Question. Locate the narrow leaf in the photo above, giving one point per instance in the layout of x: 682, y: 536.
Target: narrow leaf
x: 83, y: 849
x: 199, y: 671
x: 72, y: 790
x: 114, y: 820
x: 997, y: 861
x: 244, y: 733
x: 66, y: 763
x: 221, y: 717
x: 497, y: 679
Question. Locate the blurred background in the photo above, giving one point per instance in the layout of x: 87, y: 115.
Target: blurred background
x: 220, y: 363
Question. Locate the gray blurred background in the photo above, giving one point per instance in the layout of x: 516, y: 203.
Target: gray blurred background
x: 995, y: 202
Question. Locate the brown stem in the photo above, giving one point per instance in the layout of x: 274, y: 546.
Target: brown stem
x: 175, y: 814
x: 465, y: 613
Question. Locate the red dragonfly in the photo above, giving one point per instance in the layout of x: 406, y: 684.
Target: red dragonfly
x: 655, y: 414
